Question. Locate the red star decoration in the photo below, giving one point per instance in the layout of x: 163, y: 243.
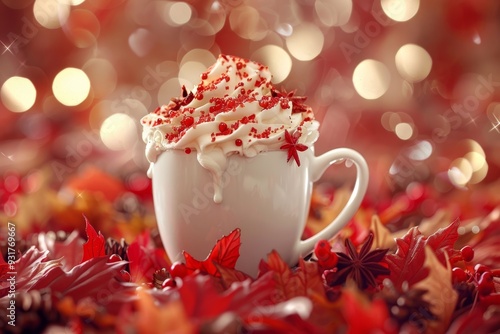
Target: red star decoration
x: 292, y: 146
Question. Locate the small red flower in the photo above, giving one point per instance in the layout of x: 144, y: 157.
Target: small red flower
x: 292, y: 146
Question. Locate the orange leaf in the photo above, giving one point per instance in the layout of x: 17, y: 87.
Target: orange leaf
x: 440, y: 293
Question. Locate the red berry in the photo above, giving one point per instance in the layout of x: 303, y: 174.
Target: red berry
x: 178, y: 269
x: 327, y: 259
x: 114, y: 258
x: 187, y: 150
x: 238, y: 142
x: 458, y: 275
x: 485, y: 285
x: 125, y: 276
x: 480, y: 269
x: 168, y: 283
x: 467, y: 253
x: 322, y: 249
x: 222, y: 126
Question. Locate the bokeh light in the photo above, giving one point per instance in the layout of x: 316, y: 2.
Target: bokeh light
x: 71, y: 86
x: 180, y: 13
x: 119, y: 132
x: 50, y: 14
x: 413, y: 62
x: 247, y: 23
x: 72, y: 2
x: 189, y: 73
x: 306, y: 42
x: 404, y: 131
x: 400, y: 10
x: 460, y: 172
x: 102, y: 75
x: 82, y: 28
x: 471, y: 167
x: 371, y: 79
x: 18, y: 94
x: 333, y: 12
x: 141, y: 41
x: 277, y: 59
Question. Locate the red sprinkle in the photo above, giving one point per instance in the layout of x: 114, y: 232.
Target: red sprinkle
x: 204, y: 76
x: 187, y: 121
x: 238, y: 142
x: 187, y: 150
x: 222, y: 126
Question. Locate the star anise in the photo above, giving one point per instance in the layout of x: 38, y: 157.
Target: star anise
x: 362, y: 267
x: 297, y: 101
x: 293, y: 146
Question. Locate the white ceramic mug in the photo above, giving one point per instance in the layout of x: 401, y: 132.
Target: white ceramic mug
x: 265, y: 196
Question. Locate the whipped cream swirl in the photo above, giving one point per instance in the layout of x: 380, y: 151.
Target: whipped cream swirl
x: 235, y: 109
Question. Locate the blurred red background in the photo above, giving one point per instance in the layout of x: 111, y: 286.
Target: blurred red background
x: 411, y: 85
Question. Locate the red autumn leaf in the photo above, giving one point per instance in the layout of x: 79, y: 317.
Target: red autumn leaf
x: 29, y: 268
x: 443, y: 240
x: 95, y: 278
x: 407, y: 264
x: 70, y: 251
x: 305, y: 280
x: 94, y: 247
x: 230, y: 275
x: 365, y: 316
x: 225, y: 252
x: 144, y: 258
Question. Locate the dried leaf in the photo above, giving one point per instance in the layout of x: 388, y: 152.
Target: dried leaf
x: 382, y: 237
x: 440, y: 293
x: 225, y: 252
x: 94, y: 247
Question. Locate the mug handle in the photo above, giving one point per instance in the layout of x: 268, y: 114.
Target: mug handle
x: 317, y: 168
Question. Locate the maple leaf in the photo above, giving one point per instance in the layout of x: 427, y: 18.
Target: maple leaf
x: 144, y: 258
x: 304, y: 281
x: 225, y: 252
x: 230, y: 275
x: 94, y: 247
x: 293, y: 146
x: 440, y: 293
x: 407, y: 264
x: 362, y: 267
